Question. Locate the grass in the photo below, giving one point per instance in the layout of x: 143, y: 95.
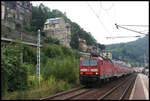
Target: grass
x: 46, y: 88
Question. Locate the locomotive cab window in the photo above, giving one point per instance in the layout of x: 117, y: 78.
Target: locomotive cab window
x: 89, y: 62
x: 85, y: 63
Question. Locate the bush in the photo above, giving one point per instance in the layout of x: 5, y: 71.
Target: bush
x: 61, y: 62
x: 27, y: 28
x: 76, y: 54
x: 64, y: 69
x: 14, y: 73
x: 51, y: 40
x: 52, y: 51
x: 10, y: 19
x: 67, y: 51
x: 29, y: 55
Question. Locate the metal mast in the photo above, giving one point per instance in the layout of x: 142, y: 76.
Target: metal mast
x: 144, y: 60
x: 38, y: 57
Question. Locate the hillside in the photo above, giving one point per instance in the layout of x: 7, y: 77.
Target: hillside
x: 131, y: 51
x: 41, y: 13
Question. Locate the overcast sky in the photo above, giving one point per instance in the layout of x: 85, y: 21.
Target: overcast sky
x: 86, y: 13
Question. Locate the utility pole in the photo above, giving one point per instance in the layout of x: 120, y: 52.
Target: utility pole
x: 144, y: 60
x: 38, y: 57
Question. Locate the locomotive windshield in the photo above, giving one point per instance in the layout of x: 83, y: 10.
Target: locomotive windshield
x: 89, y: 62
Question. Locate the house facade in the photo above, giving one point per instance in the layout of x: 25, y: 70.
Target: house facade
x: 58, y: 28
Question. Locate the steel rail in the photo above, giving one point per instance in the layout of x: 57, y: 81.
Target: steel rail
x: 68, y: 98
x: 123, y: 94
x: 62, y: 93
x: 113, y: 89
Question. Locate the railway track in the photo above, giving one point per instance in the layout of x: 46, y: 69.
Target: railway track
x: 106, y: 91
x: 119, y: 91
x: 68, y: 94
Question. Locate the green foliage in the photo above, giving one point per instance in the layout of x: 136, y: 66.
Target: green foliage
x: 51, y: 40
x: 41, y: 13
x: 47, y: 88
x: 66, y: 51
x: 61, y: 62
x: 29, y: 55
x: 76, y: 54
x: 77, y: 32
x: 14, y: 73
x: 27, y: 28
x: 10, y: 19
x: 132, y: 51
x: 101, y: 46
x: 64, y: 69
x: 74, y: 36
x: 52, y: 51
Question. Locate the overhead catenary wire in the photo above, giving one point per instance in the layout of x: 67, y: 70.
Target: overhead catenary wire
x: 136, y: 25
x: 122, y: 36
x: 98, y: 18
x: 107, y: 12
x: 106, y: 9
x: 129, y: 29
x: 140, y: 32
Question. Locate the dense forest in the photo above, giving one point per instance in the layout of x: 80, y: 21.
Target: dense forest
x: 132, y: 52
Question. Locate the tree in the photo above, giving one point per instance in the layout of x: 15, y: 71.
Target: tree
x: 14, y: 74
x: 41, y: 13
x: 101, y: 46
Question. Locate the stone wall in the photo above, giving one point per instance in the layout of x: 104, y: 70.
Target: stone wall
x: 8, y: 24
x: 18, y: 11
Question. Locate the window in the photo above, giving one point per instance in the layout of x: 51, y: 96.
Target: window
x: 89, y: 62
x: 85, y: 63
x: 93, y: 62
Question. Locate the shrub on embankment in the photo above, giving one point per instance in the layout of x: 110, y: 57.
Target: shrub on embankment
x: 57, y: 62
x: 14, y: 74
x: 61, y: 63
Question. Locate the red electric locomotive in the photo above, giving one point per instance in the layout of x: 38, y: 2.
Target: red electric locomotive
x: 97, y: 69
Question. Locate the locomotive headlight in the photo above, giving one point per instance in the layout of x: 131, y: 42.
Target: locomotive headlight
x: 96, y: 73
x: 83, y: 70
x: 94, y: 70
